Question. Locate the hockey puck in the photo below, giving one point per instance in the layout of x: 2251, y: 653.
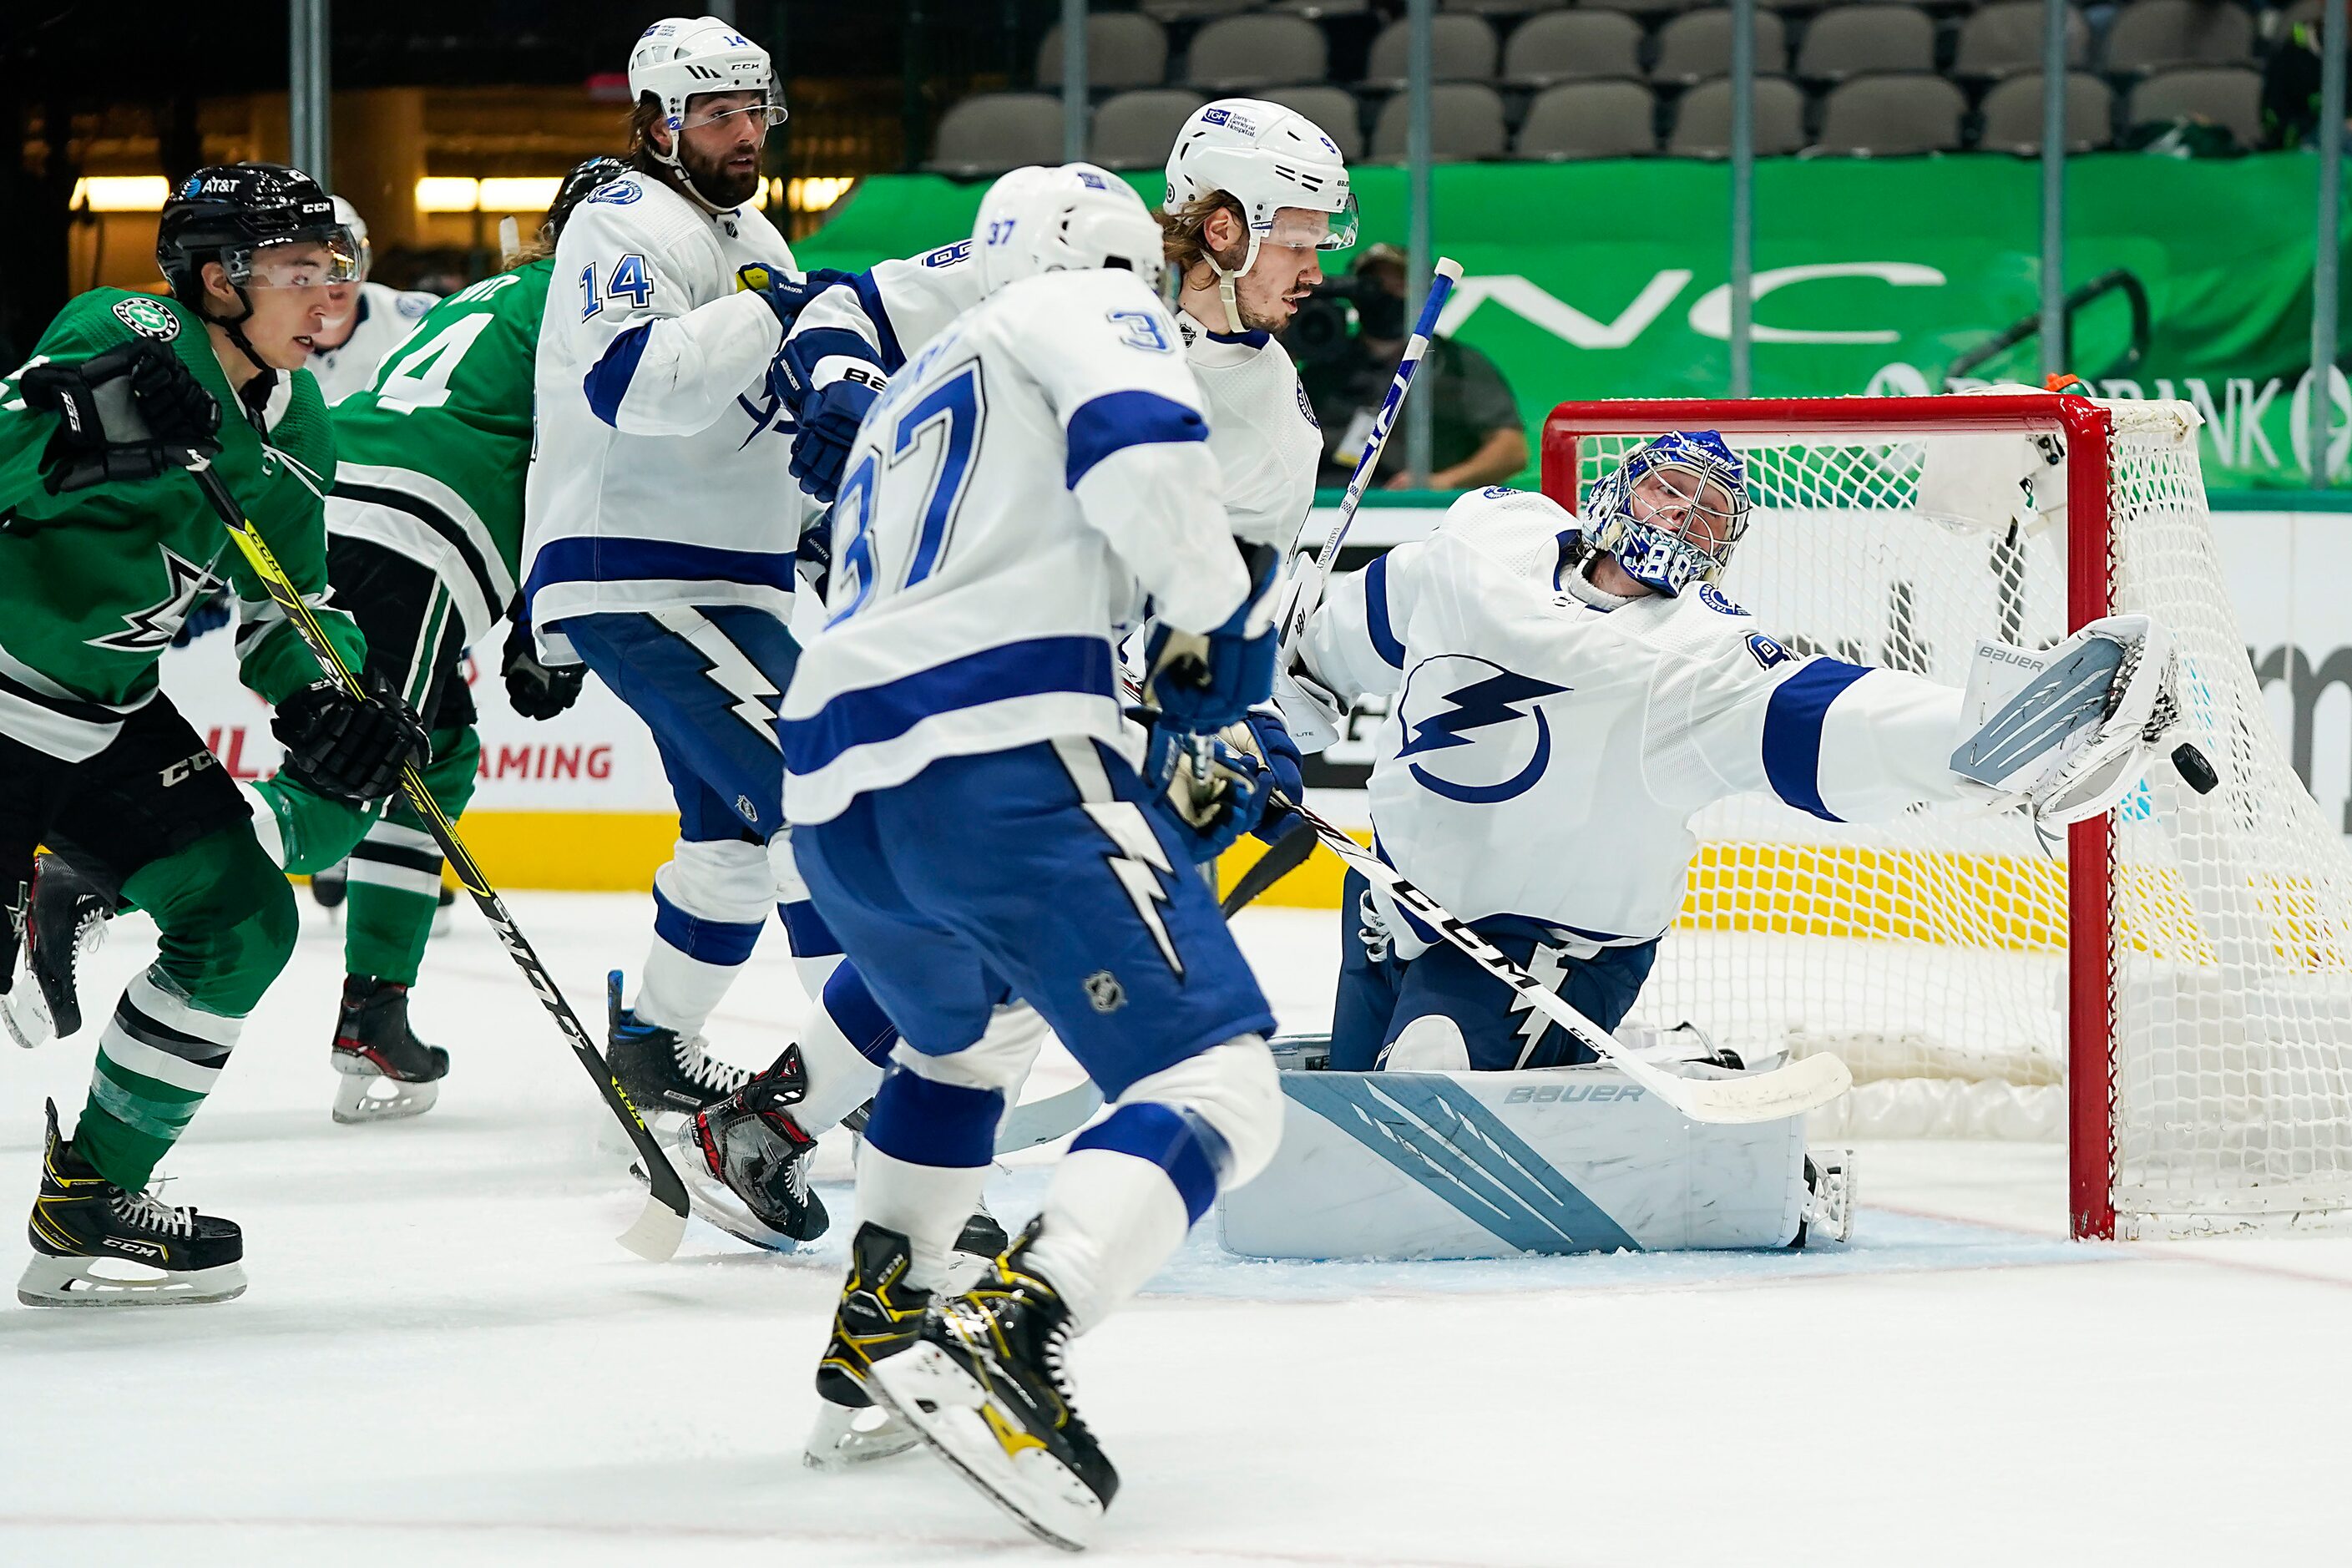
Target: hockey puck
x: 2194, y: 768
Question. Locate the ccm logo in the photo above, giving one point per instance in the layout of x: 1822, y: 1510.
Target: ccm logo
x: 1593, y: 1091
x: 181, y: 771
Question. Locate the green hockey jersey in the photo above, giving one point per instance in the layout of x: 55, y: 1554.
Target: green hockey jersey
x: 93, y: 583
x: 431, y: 458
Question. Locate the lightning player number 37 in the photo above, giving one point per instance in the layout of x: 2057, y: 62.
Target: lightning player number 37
x: 956, y: 409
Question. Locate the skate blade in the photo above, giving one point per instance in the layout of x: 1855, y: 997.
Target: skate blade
x: 948, y: 1408
x: 844, y: 1437
x: 74, y: 1282
x: 24, y: 1014
x: 362, y: 1097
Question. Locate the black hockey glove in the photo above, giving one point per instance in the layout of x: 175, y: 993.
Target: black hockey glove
x: 128, y: 415
x: 348, y: 747
x: 537, y: 691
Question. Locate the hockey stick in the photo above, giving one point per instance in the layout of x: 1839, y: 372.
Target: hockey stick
x: 657, y: 1231
x: 1788, y: 1090
x: 1288, y: 852
x: 1294, y: 626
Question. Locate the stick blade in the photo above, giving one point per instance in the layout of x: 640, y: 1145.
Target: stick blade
x: 657, y: 1234
x: 1804, y: 1085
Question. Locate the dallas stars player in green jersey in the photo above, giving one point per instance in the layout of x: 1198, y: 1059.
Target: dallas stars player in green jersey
x: 104, y: 545
x: 424, y: 527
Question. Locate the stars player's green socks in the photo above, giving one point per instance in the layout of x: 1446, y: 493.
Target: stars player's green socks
x: 226, y: 925
x: 396, y: 870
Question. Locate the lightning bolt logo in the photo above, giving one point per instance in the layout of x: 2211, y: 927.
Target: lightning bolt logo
x: 731, y: 670
x: 1138, y: 864
x: 1484, y: 703
x: 1549, y: 965
x: 153, y: 627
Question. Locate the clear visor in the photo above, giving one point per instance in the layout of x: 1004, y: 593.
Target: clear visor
x: 1696, y: 508
x: 296, y: 263
x: 1307, y: 230
x: 715, y: 109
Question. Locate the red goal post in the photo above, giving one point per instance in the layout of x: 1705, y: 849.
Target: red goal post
x: 1866, y: 453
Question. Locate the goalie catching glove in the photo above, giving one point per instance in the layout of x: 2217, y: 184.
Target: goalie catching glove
x: 2069, y: 732
x: 133, y: 412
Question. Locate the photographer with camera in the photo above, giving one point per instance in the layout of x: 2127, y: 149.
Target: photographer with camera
x: 1477, y: 435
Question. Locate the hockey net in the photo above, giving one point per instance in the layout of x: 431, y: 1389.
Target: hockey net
x: 2169, y: 987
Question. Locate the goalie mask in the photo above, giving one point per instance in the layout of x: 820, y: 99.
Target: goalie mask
x: 1670, y: 514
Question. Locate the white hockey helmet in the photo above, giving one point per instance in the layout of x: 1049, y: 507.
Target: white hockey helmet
x: 679, y: 57
x: 1070, y: 218
x: 349, y: 216
x: 1268, y: 158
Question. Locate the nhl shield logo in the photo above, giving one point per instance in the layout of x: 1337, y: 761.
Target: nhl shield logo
x: 150, y: 318
x: 1105, y: 991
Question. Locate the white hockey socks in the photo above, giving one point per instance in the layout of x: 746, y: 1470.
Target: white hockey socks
x: 933, y: 1134
x: 844, y: 1040
x: 1132, y: 1183
x: 710, y: 900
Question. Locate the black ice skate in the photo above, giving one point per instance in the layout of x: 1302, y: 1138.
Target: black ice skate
x: 95, y: 1245
x: 329, y: 888
x: 745, y: 1159
x: 64, y: 916
x: 659, y: 1070
x: 879, y: 1316
x: 387, y: 1072
x: 983, y: 1384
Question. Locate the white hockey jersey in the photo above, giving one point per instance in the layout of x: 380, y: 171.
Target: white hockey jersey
x: 386, y: 315
x: 1543, y: 757
x: 1261, y: 426
x: 662, y: 476
x: 1027, y: 480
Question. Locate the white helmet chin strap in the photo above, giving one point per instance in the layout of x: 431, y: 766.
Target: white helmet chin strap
x: 1226, y: 279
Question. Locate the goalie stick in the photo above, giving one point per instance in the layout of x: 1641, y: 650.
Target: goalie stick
x: 657, y: 1231
x: 1783, y: 1091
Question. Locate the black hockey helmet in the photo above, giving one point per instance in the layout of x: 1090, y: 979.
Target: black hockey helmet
x: 228, y: 211
x: 578, y: 187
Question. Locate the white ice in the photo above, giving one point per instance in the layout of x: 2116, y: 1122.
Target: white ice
x: 445, y: 1359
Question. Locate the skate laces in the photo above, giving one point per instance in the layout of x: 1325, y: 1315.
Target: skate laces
x: 706, y: 1070
x: 149, y: 1213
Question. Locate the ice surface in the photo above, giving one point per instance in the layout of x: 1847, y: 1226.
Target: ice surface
x: 444, y: 1358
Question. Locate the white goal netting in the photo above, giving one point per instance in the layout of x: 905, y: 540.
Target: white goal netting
x: 1932, y: 953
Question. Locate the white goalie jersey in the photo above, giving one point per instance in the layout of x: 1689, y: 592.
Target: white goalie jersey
x: 1543, y: 756
x: 1261, y: 426
x: 1037, y: 473
x: 661, y: 479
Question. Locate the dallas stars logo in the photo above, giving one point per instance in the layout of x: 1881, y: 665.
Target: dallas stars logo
x: 150, y: 630
x: 149, y: 318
